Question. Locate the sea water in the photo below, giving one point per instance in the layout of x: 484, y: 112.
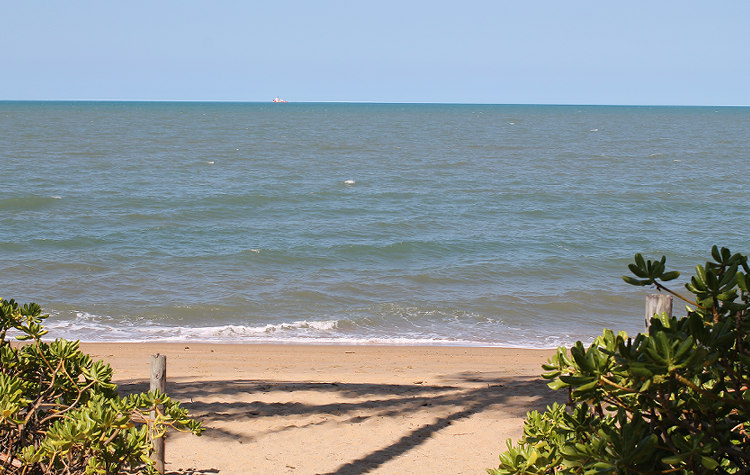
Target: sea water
x: 359, y: 223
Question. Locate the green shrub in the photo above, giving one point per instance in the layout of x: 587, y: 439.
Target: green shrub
x: 675, y: 399
x: 60, y: 412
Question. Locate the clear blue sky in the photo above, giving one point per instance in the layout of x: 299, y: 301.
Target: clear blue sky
x: 525, y: 51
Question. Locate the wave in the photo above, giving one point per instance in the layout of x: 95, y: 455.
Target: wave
x: 78, y: 325
x: 28, y: 202
x: 89, y: 327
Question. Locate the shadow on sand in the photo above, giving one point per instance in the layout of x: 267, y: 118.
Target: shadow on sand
x: 454, y: 400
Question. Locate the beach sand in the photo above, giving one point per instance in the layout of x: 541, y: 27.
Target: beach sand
x: 272, y: 409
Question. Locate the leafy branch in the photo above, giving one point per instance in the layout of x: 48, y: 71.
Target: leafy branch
x: 60, y: 413
x: 675, y: 399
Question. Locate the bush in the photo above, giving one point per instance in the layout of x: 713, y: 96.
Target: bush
x: 673, y: 400
x: 60, y: 412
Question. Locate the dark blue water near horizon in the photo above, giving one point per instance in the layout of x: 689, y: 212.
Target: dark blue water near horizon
x: 358, y: 223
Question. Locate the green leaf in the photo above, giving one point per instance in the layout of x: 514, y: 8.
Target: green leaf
x: 674, y: 459
x: 638, y: 271
x: 709, y: 463
x: 700, y: 272
x: 557, y: 384
x: 639, y: 261
x: 633, y: 281
x: 587, y: 386
x: 715, y: 253
x: 742, y: 282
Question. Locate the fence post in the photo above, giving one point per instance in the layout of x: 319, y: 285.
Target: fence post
x: 158, y: 382
x: 657, y: 304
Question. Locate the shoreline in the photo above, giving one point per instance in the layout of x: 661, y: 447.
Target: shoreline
x: 338, y: 409
x: 314, y: 343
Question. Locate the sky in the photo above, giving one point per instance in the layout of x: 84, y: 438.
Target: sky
x: 656, y: 52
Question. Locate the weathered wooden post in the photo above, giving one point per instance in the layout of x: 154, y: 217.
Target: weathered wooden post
x: 657, y: 304
x: 158, y: 382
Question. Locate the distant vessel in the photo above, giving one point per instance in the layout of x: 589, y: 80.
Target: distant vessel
x: 276, y: 99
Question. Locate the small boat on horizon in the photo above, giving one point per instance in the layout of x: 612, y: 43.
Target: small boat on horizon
x: 276, y: 99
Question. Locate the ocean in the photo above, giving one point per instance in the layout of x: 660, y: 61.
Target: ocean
x: 408, y: 224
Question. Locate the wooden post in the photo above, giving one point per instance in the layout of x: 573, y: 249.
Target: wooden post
x: 657, y: 304
x: 158, y: 382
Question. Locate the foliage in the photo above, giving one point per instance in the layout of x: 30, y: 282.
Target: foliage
x: 675, y: 399
x: 60, y: 412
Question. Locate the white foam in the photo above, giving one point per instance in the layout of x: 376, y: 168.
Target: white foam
x: 94, y: 328
x: 88, y: 327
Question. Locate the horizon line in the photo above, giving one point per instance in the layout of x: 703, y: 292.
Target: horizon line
x: 233, y: 101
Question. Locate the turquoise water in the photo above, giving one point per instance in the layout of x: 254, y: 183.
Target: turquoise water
x: 358, y: 223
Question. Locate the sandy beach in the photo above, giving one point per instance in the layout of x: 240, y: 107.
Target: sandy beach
x: 273, y: 409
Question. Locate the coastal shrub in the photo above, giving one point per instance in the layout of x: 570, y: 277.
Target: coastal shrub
x: 674, y: 399
x: 60, y: 412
